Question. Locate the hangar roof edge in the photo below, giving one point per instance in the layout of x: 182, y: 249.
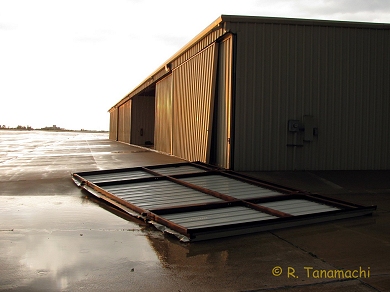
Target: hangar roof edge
x: 303, y: 21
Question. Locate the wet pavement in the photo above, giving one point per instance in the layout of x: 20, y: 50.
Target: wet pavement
x: 56, y: 237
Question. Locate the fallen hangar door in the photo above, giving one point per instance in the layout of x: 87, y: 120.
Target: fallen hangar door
x: 195, y: 201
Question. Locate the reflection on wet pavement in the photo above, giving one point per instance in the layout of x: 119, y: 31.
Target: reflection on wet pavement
x: 61, y: 238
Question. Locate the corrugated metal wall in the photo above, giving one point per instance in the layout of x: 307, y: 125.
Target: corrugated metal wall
x: 193, y: 90
x: 113, y: 133
x: 142, y: 120
x: 337, y: 75
x: 124, y: 120
x: 163, y: 116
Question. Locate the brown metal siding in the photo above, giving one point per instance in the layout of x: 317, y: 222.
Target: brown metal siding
x: 124, y: 122
x: 338, y: 75
x: 193, y: 89
x: 163, y: 117
x: 113, y: 133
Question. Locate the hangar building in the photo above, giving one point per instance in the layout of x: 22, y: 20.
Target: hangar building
x: 262, y: 94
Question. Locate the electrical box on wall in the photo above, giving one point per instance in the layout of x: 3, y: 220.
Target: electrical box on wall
x: 307, y: 127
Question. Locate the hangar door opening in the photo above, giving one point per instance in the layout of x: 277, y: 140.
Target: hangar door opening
x: 142, y: 120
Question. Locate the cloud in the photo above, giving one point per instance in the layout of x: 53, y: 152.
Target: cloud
x: 7, y: 26
x: 348, y: 10
x: 171, y: 40
x: 94, y: 36
x: 88, y: 39
x: 349, y: 6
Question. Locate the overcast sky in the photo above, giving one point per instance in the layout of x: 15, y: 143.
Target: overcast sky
x: 67, y: 62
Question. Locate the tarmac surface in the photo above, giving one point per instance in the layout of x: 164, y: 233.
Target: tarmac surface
x: 54, y: 236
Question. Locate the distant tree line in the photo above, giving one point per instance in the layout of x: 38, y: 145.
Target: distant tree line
x: 29, y: 128
x: 51, y: 128
x: 19, y: 127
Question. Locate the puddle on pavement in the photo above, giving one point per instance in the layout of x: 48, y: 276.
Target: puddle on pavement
x: 65, y: 239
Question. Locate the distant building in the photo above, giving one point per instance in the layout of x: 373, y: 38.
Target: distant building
x: 53, y: 128
x: 259, y: 93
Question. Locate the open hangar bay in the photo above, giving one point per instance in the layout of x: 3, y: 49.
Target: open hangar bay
x: 56, y: 237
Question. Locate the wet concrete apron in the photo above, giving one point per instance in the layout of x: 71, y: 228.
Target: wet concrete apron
x: 55, y: 237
